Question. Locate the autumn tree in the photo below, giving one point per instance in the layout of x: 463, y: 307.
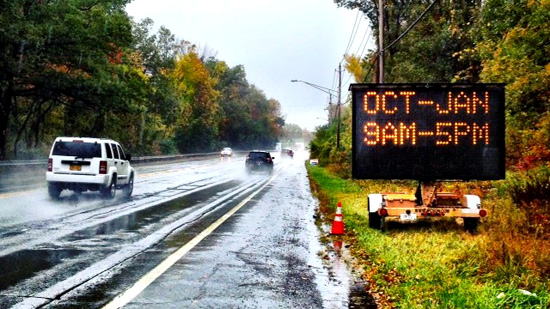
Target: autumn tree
x: 84, y: 68
x: 158, y: 53
x: 198, y: 110
x: 513, y: 45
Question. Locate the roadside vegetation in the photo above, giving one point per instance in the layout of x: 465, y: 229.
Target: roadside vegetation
x: 506, y: 264
x: 437, y: 264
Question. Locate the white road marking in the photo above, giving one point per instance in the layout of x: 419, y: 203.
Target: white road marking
x: 126, y: 297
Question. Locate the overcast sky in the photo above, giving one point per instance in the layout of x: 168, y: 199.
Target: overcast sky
x: 275, y: 40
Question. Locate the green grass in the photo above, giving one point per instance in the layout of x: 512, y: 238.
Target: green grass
x: 427, y: 264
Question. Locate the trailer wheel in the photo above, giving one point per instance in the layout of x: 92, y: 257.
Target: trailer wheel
x: 470, y: 224
x: 375, y: 220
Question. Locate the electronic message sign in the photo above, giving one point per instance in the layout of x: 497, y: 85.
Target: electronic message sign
x: 428, y: 131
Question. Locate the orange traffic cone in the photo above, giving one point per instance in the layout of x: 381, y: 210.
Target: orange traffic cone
x: 338, y: 224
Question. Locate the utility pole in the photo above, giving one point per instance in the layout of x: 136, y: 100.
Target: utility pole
x: 339, y: 103
x: 330, y: 112
x: 380, y: 41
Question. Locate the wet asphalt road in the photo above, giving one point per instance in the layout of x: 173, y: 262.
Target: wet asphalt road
x: 83, y: 251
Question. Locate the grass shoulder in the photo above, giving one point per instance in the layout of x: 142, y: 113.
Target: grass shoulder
x: 437, y: 264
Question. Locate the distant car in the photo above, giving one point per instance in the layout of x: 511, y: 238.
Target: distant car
x: 287, y: 152
x: 226, y: 152
x: 89, y: 164
x: 259, y: 161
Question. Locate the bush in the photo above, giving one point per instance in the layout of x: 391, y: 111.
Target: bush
x: 168, y: 147
x: 531, y: 185
x: 530, y: 192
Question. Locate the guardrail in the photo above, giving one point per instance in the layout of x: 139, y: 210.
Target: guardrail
x: 15, y: 164
x: 25, y: 173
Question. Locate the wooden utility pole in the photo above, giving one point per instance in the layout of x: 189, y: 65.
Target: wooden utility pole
x: 380, y: 41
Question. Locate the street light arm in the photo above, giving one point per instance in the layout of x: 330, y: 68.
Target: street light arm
x: 324, y: 89
x: 329, y: 91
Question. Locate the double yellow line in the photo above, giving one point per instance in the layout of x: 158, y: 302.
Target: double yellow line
x: 8, y: 195
x: 126, y: 297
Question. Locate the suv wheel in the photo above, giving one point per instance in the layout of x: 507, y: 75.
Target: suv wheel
x: 110, y: 190
x: 54, y: 190
x: 129, y: 188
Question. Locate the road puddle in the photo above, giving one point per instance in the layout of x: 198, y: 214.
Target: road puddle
x: 141, y: 219
x: 25, y: 264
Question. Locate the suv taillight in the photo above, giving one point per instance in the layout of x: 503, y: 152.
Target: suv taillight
x: 103, y: 167
x: 50, y: 164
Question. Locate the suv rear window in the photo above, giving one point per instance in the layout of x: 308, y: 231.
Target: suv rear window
x: 258, y: 155
x: 77, y: 149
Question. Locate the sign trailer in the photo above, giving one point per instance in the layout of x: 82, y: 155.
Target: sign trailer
x: 428, y: 132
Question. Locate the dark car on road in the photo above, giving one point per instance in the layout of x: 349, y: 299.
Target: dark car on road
x: 259, y: 161
x: 287, y: 152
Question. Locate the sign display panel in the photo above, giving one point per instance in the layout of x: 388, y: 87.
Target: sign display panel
x: 428, y: 131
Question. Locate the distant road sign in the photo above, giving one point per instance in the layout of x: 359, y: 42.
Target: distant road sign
x: 428, y: 131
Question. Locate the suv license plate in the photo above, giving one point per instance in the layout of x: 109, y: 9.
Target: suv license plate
x: 75, y: 168
x: 406, y: 217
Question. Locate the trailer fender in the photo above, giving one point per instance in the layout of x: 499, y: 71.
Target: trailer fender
x: 473, y: 201
x: 375, y: 202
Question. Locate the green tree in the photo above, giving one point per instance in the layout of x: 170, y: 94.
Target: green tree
x: 247, y: 118
x: 429, y: 51
x: 67, y: 58
x: 235, y: 117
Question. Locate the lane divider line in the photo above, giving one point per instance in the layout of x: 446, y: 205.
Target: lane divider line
x: 126, y: 297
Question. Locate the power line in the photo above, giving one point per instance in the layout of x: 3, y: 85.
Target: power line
x: 400, y: 36
x: 353, y: 33
x: 366, y: 44
x: 334, y: 77
x: 349, y: 77
x: 363, y: 40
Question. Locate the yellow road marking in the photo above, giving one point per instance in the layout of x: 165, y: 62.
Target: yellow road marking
x: 8, y: 195
x: 126, y: 297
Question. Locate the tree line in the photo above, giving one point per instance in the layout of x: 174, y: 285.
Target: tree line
x: 466, y: 41
x: 85, y: 68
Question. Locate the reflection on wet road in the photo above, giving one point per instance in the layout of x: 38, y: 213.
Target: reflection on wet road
x: 84, y: 250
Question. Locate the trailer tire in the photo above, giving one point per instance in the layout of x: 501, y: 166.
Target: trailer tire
x: 470, y: 224
x: 375, y: 221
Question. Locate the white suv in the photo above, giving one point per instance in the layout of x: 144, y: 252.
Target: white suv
x: 83, y: 163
